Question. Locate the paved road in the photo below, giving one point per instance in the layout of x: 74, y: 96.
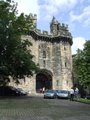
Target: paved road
x: 37, y: 108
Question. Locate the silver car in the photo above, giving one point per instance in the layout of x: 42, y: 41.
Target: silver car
x: 62, y: 94
x: 50, y: 94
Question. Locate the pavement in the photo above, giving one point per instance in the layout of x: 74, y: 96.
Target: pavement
x: 35, y: 107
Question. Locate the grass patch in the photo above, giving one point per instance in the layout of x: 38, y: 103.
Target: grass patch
x: 87, y: 101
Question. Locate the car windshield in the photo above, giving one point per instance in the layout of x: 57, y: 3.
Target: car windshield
x: 50, y: 91
x: 20, y: 89
x: 62, y: 91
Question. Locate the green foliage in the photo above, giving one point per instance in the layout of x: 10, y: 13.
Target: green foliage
x: 87, y: 101
x: 81, y: 65
x: 15, y: 58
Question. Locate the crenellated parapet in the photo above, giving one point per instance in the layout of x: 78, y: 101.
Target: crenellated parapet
x: 38, y: 31
x: 56, y: 28
x: 57, y: 31
x: 63, y: 26
x: 63, y: 32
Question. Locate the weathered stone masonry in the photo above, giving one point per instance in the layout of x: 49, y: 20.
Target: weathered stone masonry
x: 53, y: 53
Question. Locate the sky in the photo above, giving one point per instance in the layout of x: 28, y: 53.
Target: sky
x: 75, y: 13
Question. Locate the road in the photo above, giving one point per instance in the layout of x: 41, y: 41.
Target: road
x: 37, y: 108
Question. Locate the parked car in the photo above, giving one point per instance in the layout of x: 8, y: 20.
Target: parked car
x: 63, y: 94
x: 50, y: 94
x: 22, y: 92
x: 10, y: 91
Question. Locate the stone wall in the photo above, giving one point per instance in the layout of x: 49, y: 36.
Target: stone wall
x: 55, y: 57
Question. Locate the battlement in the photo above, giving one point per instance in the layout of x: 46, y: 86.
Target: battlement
x: 59, y: 29
x: 38, y: 31
x: 42, y: 32
x: 56, y: 28
x: 46, y: 34
x: 63, y: 26
x: 33, y: 16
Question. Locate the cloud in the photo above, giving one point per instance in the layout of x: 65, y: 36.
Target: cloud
x: 54, y: 7
x: 78, y: 42
x: 83, y: 17
x: 28, y: 6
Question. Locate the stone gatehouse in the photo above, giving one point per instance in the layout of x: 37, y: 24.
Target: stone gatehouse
x: 52, y: 52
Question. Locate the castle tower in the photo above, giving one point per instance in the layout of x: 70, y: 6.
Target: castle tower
x: 34, y: 19
x: 54, y: 27
x: 52, y: 52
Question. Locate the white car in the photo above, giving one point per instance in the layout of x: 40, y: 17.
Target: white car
x: 50, y: 94
x: 62, y: 94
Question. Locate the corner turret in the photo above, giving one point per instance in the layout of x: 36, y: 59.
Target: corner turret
x: 54, y: 26
x: 58, y: 29
x: 34, y: 19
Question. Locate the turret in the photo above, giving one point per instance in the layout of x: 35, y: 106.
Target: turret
x: 54, y: 27
x: 34, y: 19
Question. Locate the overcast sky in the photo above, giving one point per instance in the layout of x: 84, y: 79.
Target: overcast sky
x: 75, y: 13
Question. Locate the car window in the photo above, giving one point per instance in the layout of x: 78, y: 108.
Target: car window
x: 50, y: 91
x: 62, y: 91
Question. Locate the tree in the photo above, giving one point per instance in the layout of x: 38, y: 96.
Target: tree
x: 15, y: 59
x: 86, y: 51
x: 81, y: 65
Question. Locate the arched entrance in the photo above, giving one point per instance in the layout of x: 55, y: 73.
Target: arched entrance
x: 43, y: 80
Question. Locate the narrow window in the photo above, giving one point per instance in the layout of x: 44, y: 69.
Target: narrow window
x: 44, y: 54
x: 39, y: 46
x: 64, y: 48
x: 57, y: 83
x: 65, y: 64
x: 44, y: 63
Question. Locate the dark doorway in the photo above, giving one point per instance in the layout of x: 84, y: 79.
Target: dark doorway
x: 43, y: 81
